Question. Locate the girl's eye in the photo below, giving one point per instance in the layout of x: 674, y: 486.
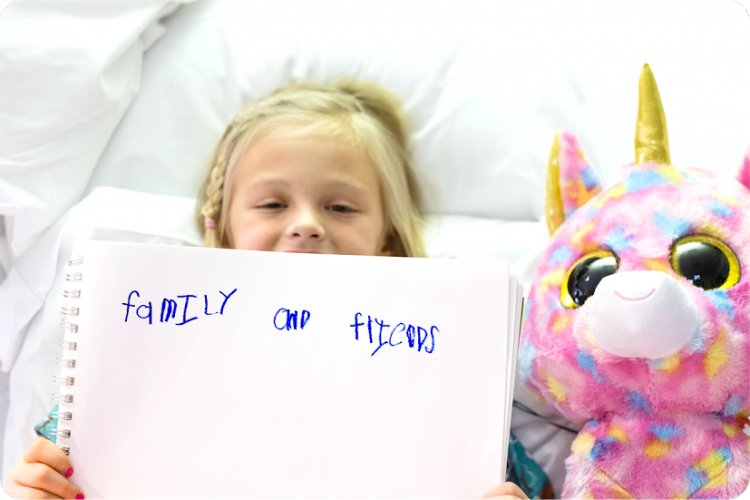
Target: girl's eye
x: 340, y: 208
x: 584, y: 276
x: 707, y: 261
x: 272, y: 206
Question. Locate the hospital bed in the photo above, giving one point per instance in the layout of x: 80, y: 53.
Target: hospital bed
x: 109, y: 111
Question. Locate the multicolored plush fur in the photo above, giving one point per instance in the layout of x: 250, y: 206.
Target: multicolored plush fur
x: 670, y: 427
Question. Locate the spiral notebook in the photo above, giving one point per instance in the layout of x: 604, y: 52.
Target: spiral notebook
x: 210, y: 373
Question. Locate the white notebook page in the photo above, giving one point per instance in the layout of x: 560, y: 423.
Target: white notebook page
x: 228, y: 399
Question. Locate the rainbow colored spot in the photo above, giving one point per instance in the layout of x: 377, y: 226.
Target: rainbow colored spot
x: 637, y: 181
x: 563, y: 253
x: 618, y: 240
x: 671, y: 228
x: 718, y: 208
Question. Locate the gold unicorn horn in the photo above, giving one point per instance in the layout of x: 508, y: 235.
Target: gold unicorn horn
x: 651, y: 141
x: 553, y: 206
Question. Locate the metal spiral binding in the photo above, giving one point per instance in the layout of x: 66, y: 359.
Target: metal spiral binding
x: 70, y: 311
x: 70, y: 326
x: 67, y: 344
x: 63, y: 433
x: 63, y: 398
x: 62, y: 415
x: 64, y: 380
x: 70, y: 363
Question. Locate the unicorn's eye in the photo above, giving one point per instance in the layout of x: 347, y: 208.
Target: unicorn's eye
x: 584, y: 276
x: 706, y: 261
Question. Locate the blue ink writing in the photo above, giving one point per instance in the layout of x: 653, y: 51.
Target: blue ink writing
x: 138, y: 312
x: 416, y: 336
x: 410, y: 335
x: 283, y: 324
x: 390, y: 339
x: 205, y: 310
x: 420, y: 338
x: 356, y: 324
x: 226, y: 297
x: 288, y: 320
x: 170, y: 307
x: 129, y: 304
x: 144, y: 310
x: 184, y: 311
x: 433, y: 330
x: 380, y: 336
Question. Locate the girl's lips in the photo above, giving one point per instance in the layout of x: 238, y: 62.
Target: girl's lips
x: 301, y: 251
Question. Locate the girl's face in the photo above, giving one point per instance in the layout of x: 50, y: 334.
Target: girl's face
x: 308, y: 194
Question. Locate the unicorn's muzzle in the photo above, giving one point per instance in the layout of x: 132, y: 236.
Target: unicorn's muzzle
x: 642, y: 314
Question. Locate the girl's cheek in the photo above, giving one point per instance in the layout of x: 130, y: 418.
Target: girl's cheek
x: 365, y: 238
x: 259, y: 236
x: 247, y: 231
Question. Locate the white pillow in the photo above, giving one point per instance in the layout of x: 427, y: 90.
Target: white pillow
x: 483, y: 115
x: 486, y: 84
x: 69, y: 72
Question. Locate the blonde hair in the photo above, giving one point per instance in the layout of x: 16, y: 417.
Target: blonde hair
x: 362, y: 114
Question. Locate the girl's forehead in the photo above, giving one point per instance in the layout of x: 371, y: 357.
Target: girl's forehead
x: 337, y: 132
x: 304, y: 150
x: 290, y: 139
x: 286, y: 158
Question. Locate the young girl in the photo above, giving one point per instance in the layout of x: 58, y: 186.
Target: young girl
x: 310, y: 168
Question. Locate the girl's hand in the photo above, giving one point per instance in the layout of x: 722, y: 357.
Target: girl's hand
x: 43, y: 472
x: 507, y: 491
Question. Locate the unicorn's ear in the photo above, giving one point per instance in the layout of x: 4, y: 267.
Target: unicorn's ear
x: 743, y: 174
x: 571, y: 181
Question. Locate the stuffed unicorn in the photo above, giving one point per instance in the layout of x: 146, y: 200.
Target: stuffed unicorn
x: 638, y: 320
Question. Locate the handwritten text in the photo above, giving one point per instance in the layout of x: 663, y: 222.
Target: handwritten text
x: 415, y: 336
x: 170, y: 308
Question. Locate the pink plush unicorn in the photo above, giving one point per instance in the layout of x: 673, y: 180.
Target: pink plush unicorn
x: 638, y: 321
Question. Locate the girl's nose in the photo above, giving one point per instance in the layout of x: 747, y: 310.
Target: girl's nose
x: 305, y: 225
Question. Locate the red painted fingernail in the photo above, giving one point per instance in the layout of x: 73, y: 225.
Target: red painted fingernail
x: 69, y: 472
x: 79, y: 496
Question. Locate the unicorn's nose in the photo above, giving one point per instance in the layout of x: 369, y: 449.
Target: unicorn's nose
x: 642, y: 314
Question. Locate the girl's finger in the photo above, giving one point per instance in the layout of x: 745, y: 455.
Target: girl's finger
x: 509, y: 490
x: 43, y: 477
x: 19, y: 491
x: 44, y: 451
